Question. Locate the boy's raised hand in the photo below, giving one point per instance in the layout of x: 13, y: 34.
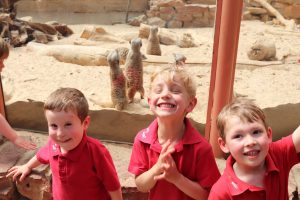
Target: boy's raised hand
x: 167, y: 166
x: 20, y: 142
x: 15, y: 171
x: 167, y: 149
x: 170, y: 172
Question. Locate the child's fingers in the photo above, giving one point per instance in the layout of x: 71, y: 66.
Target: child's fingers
x: 15, y: 175
x: 12, y: 169
x: 159, y: 177
x: 26, y: 144
x: 167, y: 153
x: 170, y: 159
x: 22, y: 177
x: 9, y: 174
x: 12, y: 172
x: 165, y: 146
x: 30, y: 146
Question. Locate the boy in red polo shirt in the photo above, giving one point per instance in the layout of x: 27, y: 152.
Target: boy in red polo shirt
x: 170, y: 158
x: 5, y: 129
x: 257, y: 168
x: 81, y: 166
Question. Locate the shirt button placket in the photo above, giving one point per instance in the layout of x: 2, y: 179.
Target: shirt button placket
x: 62, y: 167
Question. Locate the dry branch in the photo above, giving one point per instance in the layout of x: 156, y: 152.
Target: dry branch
x: 289, y: 24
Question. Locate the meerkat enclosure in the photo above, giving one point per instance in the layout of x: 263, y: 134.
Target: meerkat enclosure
x: 39, y: 66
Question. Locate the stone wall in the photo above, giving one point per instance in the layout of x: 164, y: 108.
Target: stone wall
x: 201, y: 13
x: 183, y: 13
x: 173, y: 13
x: 79, y: 6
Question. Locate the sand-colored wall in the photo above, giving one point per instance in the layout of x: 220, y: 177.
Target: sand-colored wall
x: 175, y: 13
x: 79, y: 6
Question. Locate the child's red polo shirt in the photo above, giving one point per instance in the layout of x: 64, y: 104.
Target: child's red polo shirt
x: 86, y: 172
x: 193, y: 157
x: 281, y: 158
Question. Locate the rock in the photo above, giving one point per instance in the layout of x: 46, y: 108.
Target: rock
x: 136, y: 21
x: 156, y: 21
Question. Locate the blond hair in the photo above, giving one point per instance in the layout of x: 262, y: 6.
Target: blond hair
x: 243, y: 108
x: 170, y: 73
x: 68, y: 99
x: 4, y: 49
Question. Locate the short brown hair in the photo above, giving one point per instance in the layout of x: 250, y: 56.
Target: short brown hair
x: 170, y: 72
x: 243, y: 108
x: 68, y: 99
x: 4, y: 49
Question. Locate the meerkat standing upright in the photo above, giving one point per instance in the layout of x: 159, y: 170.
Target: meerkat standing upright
x: 134, y: 70
x: 117, y: 80
x: 153, y: 46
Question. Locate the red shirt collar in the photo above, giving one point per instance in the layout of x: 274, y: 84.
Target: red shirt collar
x: 73, y: 154
x: 149, y: 136
x: 237, y: 186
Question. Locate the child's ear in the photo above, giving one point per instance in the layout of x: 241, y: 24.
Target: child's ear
x: 223, y: 145
x: 86, y: 122
x: 149, y: 103
x: 192, y: 105
x: 269, y: 133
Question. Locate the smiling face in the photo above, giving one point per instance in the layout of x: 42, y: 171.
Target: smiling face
x: 247, y: 142
x: 66, y: 129
x: 169, y: 97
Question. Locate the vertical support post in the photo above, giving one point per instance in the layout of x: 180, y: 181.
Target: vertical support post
x: 227, y: 28
x: 2, y: 101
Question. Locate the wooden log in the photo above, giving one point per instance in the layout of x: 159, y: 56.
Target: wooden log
x: 80, y: 55
x: 99, y: 34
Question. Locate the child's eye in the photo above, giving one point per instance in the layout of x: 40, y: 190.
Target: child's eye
x: 53, y: 126
x: 237, y: 136
x: 68, y: 124
x: 255, y: 132
x: 176, y: 90
x: 157, y: 90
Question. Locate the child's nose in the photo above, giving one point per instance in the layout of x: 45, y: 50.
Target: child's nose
x: 166, y: 93
x: 250, y: 141
x: 60, y: 133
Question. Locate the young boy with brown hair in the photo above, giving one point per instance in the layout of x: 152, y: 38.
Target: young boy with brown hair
x: 170, y: 158
x: 5, y: 129
x: 81, y: 166
x: 257, y: 168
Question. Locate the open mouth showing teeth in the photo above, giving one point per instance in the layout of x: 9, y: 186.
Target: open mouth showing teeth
x: 166, y: 105
x: 252, y: 153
